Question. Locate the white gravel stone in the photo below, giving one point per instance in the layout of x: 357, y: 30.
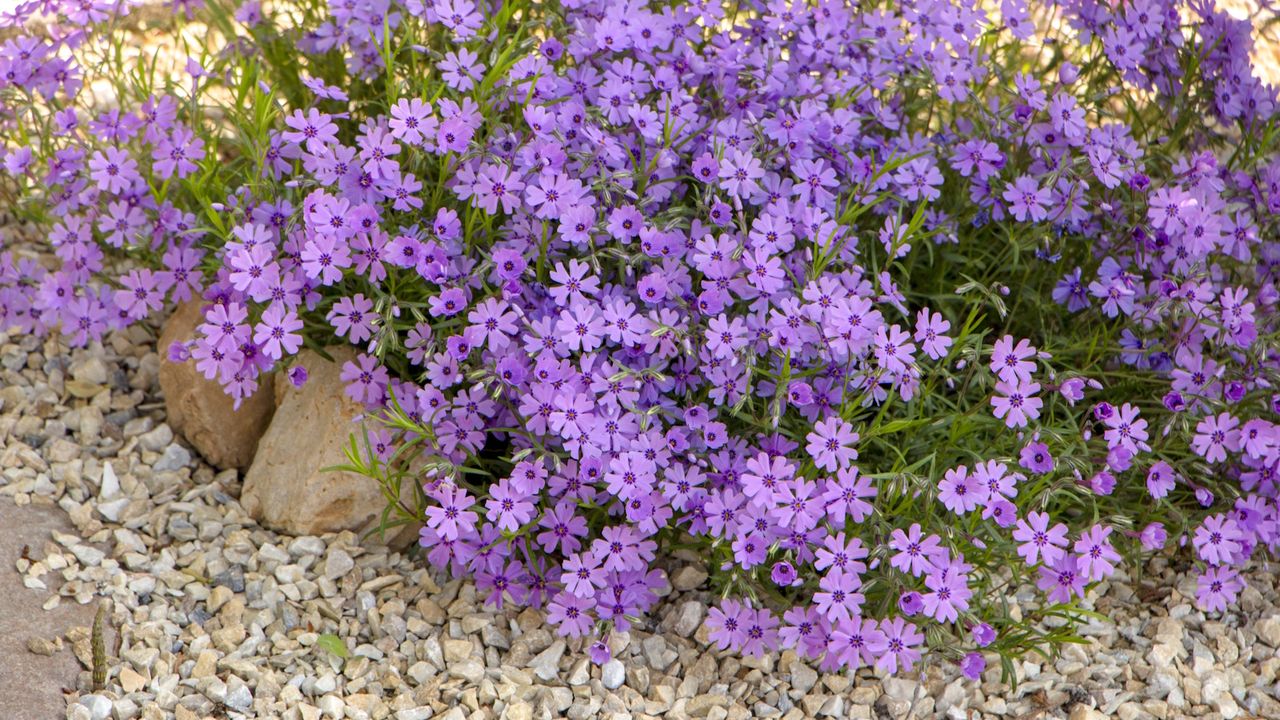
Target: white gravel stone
x: 99, y: 706
x: 612, y: 674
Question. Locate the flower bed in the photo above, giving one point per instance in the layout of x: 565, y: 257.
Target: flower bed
x: 884, y: 311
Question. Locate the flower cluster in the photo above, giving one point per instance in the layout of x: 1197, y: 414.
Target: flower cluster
x: 827, y: 291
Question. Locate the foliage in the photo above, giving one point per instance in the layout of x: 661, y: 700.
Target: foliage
x: 885, y: 309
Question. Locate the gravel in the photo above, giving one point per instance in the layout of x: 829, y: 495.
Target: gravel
x: 219, y: 617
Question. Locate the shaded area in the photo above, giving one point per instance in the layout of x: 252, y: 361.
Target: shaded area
x: 31, y: 685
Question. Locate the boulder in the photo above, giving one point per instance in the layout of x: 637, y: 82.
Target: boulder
x: 200, y: 411
x: 287, y: 488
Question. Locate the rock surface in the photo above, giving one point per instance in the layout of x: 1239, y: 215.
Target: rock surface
x: 31, y: 644
x: 286, y: 487
x: 200, y: 411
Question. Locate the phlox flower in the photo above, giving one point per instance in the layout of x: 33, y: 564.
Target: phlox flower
x: 893, y: 349
x: 1010, y: 363
x: 844, y: 497
x: 959, y: 492
x: 1215, y: 436
x: 949, y: 595
x: 1062, y: 580
x: 277, y: 333
x: 1218, y: 540
x: 853, y: 641
x: 915, y: 555
x: 1095, y: 555
x: 831, y: 444
x: 570, y: 614
x: 461, y: 69
x: 838, y: 598
x: 930, y: 333
x: 1038, y: 540
x: 728, y: 624
x: 1027, y: 200
x: 507, y: 507
x: 451, y: 517
x: 366, y: 380
x: 739, y: 172
x: 1016, y: 404
x: 896, y: 648
x: 1126, y: 430
x: 113, y: 170
x: 1217, y: 588
x: 311, y: 128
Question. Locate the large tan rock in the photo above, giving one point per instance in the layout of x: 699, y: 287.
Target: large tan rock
x: 286, y: 487
x: 200, y: 411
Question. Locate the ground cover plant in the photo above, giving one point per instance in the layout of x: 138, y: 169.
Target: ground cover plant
x: 883, y: 309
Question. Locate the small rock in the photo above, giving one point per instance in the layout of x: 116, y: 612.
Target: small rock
x: 689, y: 618
x: 206, y: 665
x: 41, y: 646
x: 900, y: 688
x: 1080, y: 711
x: 131, y: 681
x: 612, y: 674
x: 91, y: 371
x: 470, y: 670
x: 157, y: 439
x: 701, y: 705
x: 109, y: 486
x: 240, y: 699
x: 546, y: 664
x: 331, y: 706
x: 455, y: 651
x: 581, y: 672
x: 219, y: 596
x: 803, y: 678
x: 518, y: 711
x: 87, y: 555
x: 99, y: 706
x: 175, y: 457
x: 338, y: 563
x: 1268, y: 630
x: 688, y: 578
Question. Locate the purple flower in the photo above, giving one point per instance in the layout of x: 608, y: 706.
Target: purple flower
x: 1039, y: 541
x: 1026, y: 199
x: 739, y: 172
x: 452, y: 517
x: 1062, y: 579
x: 599, y: 652
x: 1036, y: 458
x: 1012, y: 364
x: 1016, y: 404
x: 1160, y: 479
x: 784, y: 574
x: 972, y: 665
x: 312, y: 128
x: 831, y: 444
x: 1095, y: 556
x: 178, y: 352
x: 983, y: 634
x: 1217, y: 588
x: 570, y: 614
x: 897, y: 648
x: 915, y: 553
x: 1153, y: 537
x: 297, y: 376
x: 113, y: 170
x: 366, y: 380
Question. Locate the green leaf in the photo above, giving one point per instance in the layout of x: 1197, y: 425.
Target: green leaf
x: 333, y: 644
